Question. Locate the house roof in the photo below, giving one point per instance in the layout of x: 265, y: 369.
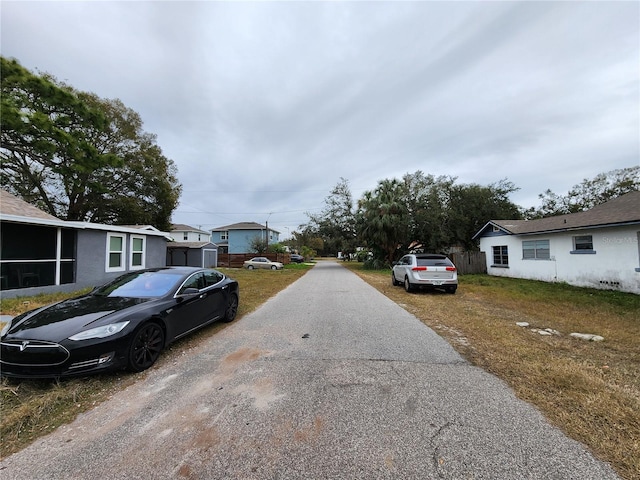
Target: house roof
x: 623, y: 210
x: 12, y: 205
x: 142, y: 227
x: 242, y: 226
x: 189, y: 244
x: 181, y: 227
x: 14, y: 209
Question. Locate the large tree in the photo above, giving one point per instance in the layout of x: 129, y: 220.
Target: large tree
x: 335, y: 224
x: 80, y: 157
x: 429, y: 213
x: 589, y: 193
x: 427, y: 200
x: 471, y: 206
x: 383, y: 219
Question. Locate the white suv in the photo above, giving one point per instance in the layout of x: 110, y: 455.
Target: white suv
x: 425, y: 270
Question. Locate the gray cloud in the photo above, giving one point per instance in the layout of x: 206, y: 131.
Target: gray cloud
x: 265, y: 105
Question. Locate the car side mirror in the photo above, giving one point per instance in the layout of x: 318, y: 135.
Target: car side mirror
x: 190, y: 291
x: 187, y: 292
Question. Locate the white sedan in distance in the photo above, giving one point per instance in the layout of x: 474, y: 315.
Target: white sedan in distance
x: 262, y: 262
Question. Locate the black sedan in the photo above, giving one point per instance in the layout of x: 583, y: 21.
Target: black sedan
x: 123, y: 324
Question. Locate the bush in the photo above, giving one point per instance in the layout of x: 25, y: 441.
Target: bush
x: 374, y: 264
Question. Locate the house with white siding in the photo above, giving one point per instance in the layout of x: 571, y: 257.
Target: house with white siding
x: 186, y: 233
x: 598, y: 248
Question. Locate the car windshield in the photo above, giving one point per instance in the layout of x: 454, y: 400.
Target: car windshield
x: 141, y: 285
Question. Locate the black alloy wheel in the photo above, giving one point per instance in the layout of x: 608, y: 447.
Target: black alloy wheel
x: 394, y: 282
x: 146, y: 347
x: 232, y: 308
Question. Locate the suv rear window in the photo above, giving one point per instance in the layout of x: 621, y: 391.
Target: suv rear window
x: 433, y: 262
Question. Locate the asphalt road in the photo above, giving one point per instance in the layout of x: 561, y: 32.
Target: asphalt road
x: 327, y: 380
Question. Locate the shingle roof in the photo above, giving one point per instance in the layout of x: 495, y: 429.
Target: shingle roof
x: 189, y: 244
x: 12, y: 205
x: 14, y: 209
x: 242, y: 226
x: 181, y: 227
x: 619, y: 211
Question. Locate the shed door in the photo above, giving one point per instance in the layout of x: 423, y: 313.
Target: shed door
x: 210, y: 258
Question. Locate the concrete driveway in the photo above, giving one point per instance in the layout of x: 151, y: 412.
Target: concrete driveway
x: 327, y: 380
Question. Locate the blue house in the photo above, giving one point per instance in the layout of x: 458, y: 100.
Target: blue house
x: 238, y: 237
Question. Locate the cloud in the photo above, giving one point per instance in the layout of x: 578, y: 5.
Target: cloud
x: 263, y: 106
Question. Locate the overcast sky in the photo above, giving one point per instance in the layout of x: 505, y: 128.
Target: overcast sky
x: 263, y: 106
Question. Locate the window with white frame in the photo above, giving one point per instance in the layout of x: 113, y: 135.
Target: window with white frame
x: 137, y: 249
x: 185, y: 236
x: 115, y: 252
x: 224, y: 235
x: 500, y: 256
x: 536, y: 250
x: 583, y: 244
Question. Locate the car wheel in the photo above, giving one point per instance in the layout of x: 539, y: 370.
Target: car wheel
x: 250, y: 267
x: 145, y: 347
x: 451, y: 289
x: 394, y: 282
x: 274, y: 267
x: 407, y: 285
x: 232, y: 308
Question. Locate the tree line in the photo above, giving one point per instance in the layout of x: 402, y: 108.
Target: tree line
x: 434, y: 214
x: 80, y: 157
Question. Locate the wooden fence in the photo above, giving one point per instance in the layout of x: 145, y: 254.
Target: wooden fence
x: 469, y: 262
x: 235, y: 260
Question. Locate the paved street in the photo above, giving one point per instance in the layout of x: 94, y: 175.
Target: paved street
x: 327, y: 380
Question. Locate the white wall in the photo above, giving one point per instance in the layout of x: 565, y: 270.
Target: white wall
x: 614, y: 265
x: 178, y: 236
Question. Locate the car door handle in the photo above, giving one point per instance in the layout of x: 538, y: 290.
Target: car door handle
x: 203, y: 295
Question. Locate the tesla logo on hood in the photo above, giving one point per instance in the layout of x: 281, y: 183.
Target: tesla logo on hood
x: 24, y: 345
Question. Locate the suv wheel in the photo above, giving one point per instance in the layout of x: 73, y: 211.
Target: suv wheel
x: 407, y: 285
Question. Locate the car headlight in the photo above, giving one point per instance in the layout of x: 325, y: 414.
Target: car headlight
x: 100, y: 332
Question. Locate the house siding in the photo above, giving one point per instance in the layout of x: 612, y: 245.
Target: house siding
x: 91, y: 248
x: 240, y: 240
x: 614, y: 265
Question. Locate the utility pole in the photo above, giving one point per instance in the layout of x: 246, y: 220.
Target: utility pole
x: 266, y: 225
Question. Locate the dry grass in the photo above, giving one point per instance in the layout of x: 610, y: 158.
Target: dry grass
x: 30, y: 408
x: 591, y: 390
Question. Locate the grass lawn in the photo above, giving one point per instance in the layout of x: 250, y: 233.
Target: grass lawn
x: 590, y: 390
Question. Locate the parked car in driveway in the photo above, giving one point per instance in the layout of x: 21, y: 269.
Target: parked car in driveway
x: 426, y: 270
x: 262, y: 262
x: 123, y: 324
x: 295, y: 258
